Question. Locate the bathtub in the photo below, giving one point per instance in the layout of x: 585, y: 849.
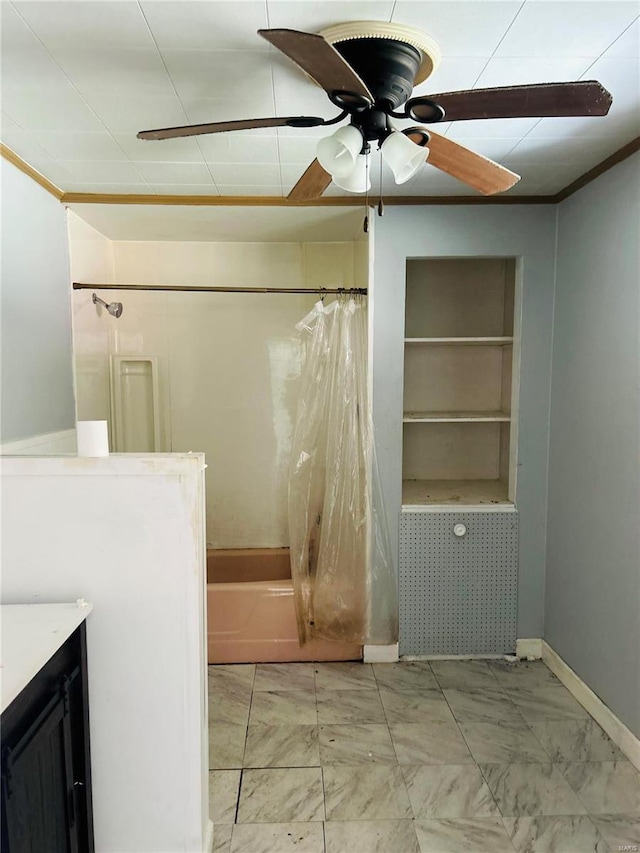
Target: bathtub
x: 250, y: 611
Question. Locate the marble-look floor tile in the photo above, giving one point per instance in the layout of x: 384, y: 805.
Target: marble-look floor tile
x: 344, y: 676
x: 523, y: 673
x: 296, y: 707
x: 282, y: 746
x: 285, y: 676
x: 371, y: 792
x: 546, y: 703
x: 375, y: 836
x: 503, y: 743
x: 277, y: 838
x: 222, y: 838
x: 523, y: 790
x: 605, y: 787
x: 463, y: 674
x: 349, y: 706
x: 619, y: 830
x: 422, y: 706
x: 226, y: 746
x: 555, y: 834
x: 231, y: 674
x: 281, y: 795
x: 448, y: 790
x: 353, y: 744
x: 463, y: 835
x: 481, y: 705
x: 575, y: 740
x: 229, y: 706
x: 223, y: 795
x: 406, y: 675
x: 431, y: 742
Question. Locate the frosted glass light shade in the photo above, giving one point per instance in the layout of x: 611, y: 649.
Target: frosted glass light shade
x: 403, y: 156
x: 357, y: 181
x: 337, y: 153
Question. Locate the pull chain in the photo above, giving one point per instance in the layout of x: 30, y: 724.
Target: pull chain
x: 365, y: 224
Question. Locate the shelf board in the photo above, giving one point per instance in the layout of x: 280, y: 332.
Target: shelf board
x: 496, y: 341
x: 454, y: 492
x: 455, y: 417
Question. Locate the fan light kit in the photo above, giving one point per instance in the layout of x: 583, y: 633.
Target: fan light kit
x: 368, y: 70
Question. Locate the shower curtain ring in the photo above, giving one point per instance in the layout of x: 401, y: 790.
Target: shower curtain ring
x: 323, y: 293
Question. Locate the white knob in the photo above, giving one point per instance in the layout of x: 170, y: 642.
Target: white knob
x: 459, y: 530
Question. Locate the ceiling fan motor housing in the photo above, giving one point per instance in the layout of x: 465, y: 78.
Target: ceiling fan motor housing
x: 388, y: 67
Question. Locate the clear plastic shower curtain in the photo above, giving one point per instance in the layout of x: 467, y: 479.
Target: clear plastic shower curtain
x: 344, y: 584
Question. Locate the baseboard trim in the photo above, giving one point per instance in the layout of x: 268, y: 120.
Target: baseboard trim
x: 529, y: 648
x: 381, y: 654
x: 623, y: 737
x: 49, y: 444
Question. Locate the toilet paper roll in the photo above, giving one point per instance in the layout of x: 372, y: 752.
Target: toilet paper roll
x: 93, y: 438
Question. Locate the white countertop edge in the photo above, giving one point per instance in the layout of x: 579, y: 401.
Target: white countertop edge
x: 31, y: 635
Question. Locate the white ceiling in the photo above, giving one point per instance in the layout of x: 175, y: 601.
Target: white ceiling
x: 80, y: 78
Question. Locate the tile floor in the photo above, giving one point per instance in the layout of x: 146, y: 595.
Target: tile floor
x: 440, y: 757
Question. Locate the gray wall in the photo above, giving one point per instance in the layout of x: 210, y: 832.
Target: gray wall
x: 461, y: 231
x: 592, y: 606
x: 37, y: 373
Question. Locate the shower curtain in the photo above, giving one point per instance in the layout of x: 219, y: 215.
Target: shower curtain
x: 344, y: 584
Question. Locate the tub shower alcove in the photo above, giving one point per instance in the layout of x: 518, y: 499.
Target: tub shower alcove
x: 251, y: 614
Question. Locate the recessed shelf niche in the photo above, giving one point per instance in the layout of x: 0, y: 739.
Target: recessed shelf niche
x: 458, y: 381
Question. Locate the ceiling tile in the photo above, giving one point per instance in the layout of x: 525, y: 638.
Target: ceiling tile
x: 207, y: 26
x: 453, y: 73
x: 137, y: 73
x: 108, y: 23
x: 239, y: 189
x: 54, y: 171
x: 164, y: 150
x: 245, y: 173
x: 185, y: 189
x: 239, y: 147
x: 39, y: 111
x: 25, y: 64
x: 119, y: 189
x: 491, y: 128
x: 627, y: 45
x: 221, y: 74
x: 567, y: 28
x: 300, y: 150
x: 80, y: 146
x: 461, y: 28
x: 123, y: 114
x: 554, y: 150
x: 506, y: 71
x: 311, y: 16
x: 22, y: 143
x: 174, y: 173
x: 495, y: 149
x: 296, y: 94
x: 102, y: 171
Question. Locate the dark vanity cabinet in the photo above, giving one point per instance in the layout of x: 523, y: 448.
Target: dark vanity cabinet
x: 46, y: 778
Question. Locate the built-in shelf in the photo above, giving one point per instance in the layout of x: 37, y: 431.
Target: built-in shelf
x: 455, y: 417
x: 496, y: 341
x: 455, y: 492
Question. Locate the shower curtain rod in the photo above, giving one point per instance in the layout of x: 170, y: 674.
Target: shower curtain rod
x: 183, y: 288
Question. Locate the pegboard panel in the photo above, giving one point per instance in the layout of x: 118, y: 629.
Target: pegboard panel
x: 458, y: 595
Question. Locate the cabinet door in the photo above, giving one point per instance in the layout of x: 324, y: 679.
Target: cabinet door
x: 458, y: 594
x: 37, y: 782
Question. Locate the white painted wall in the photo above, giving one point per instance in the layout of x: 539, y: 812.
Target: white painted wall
x: 37, y: 364
x: 592, y: 602
x: 127, y: 534
x: 228, y: 363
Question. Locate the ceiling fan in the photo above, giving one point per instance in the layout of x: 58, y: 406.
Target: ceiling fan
x: 368, y: 70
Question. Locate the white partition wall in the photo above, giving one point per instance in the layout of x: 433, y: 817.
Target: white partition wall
x: 127, y: 534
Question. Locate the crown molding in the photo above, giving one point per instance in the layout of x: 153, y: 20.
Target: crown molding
x: 11, y: 157
x: 332, y: 201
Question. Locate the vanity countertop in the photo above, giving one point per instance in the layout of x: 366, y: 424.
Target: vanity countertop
x: 31, y: 635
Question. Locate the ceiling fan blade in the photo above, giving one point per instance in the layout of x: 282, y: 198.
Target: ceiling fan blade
x: 473, y: 169
x: 223, y: 126
x: 312, y: 184
x: 320, y: 60
x: 582, y: 98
